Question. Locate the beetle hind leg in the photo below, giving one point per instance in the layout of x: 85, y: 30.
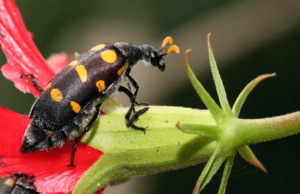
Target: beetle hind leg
x: 58, y: 138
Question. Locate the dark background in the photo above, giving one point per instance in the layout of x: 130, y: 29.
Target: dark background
x: 249, y: 38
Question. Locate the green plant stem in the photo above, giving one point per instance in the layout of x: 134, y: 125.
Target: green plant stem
x: 164, y: 147
x: 261, y: 130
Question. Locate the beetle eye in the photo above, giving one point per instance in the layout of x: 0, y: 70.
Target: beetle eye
x: 152, y: 55
x: 154, y: 58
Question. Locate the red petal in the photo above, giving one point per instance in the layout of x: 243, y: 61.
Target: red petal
x: 23, y: 57
x: 58, y: 61
x: 49, y: 167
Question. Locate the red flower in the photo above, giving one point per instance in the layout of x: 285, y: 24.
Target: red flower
x: 23, y: 58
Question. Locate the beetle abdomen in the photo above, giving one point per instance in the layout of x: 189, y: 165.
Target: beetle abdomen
x: 65, y: 96
x: 57, y: 112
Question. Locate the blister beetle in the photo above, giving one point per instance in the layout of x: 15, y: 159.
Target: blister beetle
x: 19, y: 184
x: 79, y: 89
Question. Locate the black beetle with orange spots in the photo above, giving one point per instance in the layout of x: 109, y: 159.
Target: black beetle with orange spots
x: 19, y: 183
x: 79, y: 89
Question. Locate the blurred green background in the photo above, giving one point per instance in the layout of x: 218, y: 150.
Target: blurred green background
x: 249, y: 38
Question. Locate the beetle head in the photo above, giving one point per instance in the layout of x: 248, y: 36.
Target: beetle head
x: 153, y: 56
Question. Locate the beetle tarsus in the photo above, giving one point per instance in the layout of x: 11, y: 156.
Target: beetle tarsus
x: 135, y: 118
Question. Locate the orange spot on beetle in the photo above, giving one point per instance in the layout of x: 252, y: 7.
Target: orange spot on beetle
x: 73, y: 63
x: 75, y: 106
x: 56, y: 95
x: 47, y: 86
x: 98, y: 47
x: 10, y: 182
x: 109, y: 56
x: 101, y: 85
x: 48, y: 133
x: 82, y: 73
x: 120, y: 71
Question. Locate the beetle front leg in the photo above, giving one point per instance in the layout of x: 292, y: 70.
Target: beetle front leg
x: 135, y: 116
x: 34, y: 83
x: 135, y: 85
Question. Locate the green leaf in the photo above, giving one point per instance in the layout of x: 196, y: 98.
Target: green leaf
x: 209, y: 130
x: 212, y: 166
x: 226, y: 174
x: 244, y: 94
x: 204, y: 95
x: 231, y: 132
x: 249, y: 156
x: 218, y: 81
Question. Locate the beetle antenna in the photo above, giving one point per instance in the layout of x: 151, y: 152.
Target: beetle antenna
x: 169, y: 40
x: 172, y: 48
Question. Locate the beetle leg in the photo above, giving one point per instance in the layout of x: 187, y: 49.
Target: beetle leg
x: 132, y: 98
x: 135, y: 85
x: 34, y: 83
x: 129, y: 87
x: 86, y: 129
x: 135, y: 116
x: 128, y: 84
